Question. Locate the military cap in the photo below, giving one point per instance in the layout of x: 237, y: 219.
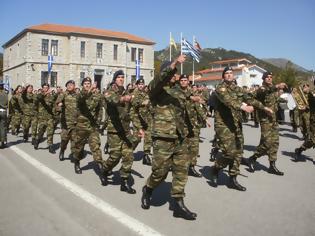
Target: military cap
x: 266, y: 74
x: 183, y: 76
x: 45, y: 84
x: 70, y: 82
x: 226, y: 69
x: 86, y: 79
x: 140, y: 81
x: 118, y: 73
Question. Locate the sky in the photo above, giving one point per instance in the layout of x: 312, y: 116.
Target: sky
x: 265, y: 29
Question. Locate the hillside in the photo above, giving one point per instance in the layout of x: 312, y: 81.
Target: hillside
x: 282, y: 63
x: 215, y: 54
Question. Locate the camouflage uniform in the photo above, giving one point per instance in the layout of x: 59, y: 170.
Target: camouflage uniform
x: 87, y: 126
x: 121, y: 141
x: 168, y: 133
x: 68, y: 119
x: 228, y: 125
x: 17, y: 113
x: 304, y: 120
x: 3, y: 117
x: 45, y: 117
x: 29, y: 114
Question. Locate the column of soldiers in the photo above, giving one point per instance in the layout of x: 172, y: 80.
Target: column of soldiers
x: 166, y: 114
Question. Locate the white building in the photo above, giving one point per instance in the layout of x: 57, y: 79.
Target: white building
x: 77, y: 53
x: 246, y: 74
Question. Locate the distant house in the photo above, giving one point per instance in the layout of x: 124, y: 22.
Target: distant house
x: 246, y: 73
x: 77, y: 53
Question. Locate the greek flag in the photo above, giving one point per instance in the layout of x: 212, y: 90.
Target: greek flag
x: 188, y: 49
x: 50, y: 62
x: 137, y: 69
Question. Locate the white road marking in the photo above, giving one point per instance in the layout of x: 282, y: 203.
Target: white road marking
x: 128, y: 221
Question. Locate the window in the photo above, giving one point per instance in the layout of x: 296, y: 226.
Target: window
x: 115, y: 52
x: 53, y: 78
x: 82, y: 76
x: 82, y: 50
x: 140, y: 54
x: 133, y: 54
x: 54, y: 47
x: 99, y: 50
x: 45, y: 43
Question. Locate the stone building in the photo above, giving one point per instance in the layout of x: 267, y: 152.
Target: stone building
x: 76, y: 52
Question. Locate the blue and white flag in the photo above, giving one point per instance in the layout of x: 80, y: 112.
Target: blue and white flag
x: 189, y: 49
x: 137, y: 69
x: 50, y: 63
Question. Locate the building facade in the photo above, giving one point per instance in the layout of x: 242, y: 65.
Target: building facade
x: 76, y: 53
x: 245, y: 73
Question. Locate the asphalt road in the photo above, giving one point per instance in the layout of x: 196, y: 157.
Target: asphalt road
x: 39, y: 195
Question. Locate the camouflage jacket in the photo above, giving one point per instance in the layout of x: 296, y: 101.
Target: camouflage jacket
x: 28, y: 104
x: 141, y: 113
x: 89, y: 106
x: 269, y: 97
x: 45, y: 105
x: 3, y: 99
x: 229, y: 99
x: 69, y: 109
x: 118, y: 112
x: 168, y: 110
x: 15, y: 103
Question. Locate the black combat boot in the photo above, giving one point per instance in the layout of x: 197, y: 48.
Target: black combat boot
x: 192, y: 172
x: 215, y: 176
x: 36, y: 143
x: 235, y: 185
x: 62, y: 155
x: 273, y: 169
x: 125, y: 186
x: 213, y: 154
x: 25, y: 138
x: 33, y: 141
x: 102, y: 174
x: 146, y: 197
x: 180, y: 210
x: 51, y: 149
x: 298, y: 153
x: 146, y: 160
x: 77, y: 168
x: 251, y: 163
x: 106, y: 147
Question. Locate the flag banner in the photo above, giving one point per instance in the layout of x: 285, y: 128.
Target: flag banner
x: 173, y: 43
x: 188, y: 49
x: 50, y: 62
x: 197, y: 45
x: 137, y: 69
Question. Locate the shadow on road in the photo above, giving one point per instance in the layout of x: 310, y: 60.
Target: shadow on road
x: 161, y: 194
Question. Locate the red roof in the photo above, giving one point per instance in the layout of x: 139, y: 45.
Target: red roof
x: 207, y: 71
x: 69, y: 30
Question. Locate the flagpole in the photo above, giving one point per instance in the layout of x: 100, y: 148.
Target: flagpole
x: 181, y: 51
x: 193, y: 62
x: 170, y: 46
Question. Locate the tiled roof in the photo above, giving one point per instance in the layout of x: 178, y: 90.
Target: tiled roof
x: 207, y: 71
x: 230, y: 60
x: 72, y: 30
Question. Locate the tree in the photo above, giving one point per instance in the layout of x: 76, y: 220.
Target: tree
x: 288, y: 76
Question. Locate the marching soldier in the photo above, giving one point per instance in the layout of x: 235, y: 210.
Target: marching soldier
x: 304, y: 114
x: 17, y: 113
x: 67, y: 103
x: 3, y: 116
x: 142, y: 112
x: 269, y: 140
x: 87, y: 126
x: 169, y: 140
x: 45, y: 101
x: 231, y: 101
x: 119, y: 136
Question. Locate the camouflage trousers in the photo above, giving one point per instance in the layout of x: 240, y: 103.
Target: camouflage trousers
x: 193, y: 147
x: 294, y: 117
x: 120, y: 148
x: 230, y: 143
x: 269, y: 141
x: 16, y: 121
x: 3, y: 125
x: 310, y: 141
x: 27, y: 122
x: 304, y: 117
x: 91, y: 136
x: 147, y: 142
x: 66, y: 135
x: 46, y: 123
x: 170, y: 153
